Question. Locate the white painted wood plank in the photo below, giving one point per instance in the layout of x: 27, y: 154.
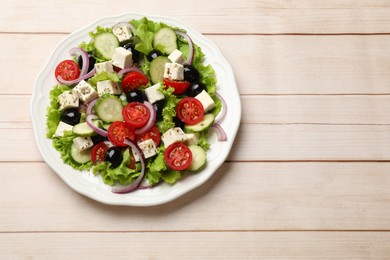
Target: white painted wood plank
x: 238, y: 197
x: 267, y: 65
x: 215, y: 245
x: 235, y: 16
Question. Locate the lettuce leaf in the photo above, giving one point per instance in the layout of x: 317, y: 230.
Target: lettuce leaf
x: 145, y: 30
x: 53, y: 114
x: 171, y: 176
x: 155, y: 168
x: 169, y: 110
x: 121, y: 174
x: 63, y: 145
x: 104, y: 75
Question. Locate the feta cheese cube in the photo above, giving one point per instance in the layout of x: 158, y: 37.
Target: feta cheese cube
x: 68, y: 99
x: 173, y: 135
x: 122, y: 58
x: 148, y: 148
x: 176, y: 57
x: 153, y: 94
x: 122, y: 33
x: 85, y: 92
x: 61, y: 128
x: 207, y: 102
x: 108, y: 87
x: 192, y: 138
x: 174, y: 71
x: 104, y: 66
x: 82, y: 143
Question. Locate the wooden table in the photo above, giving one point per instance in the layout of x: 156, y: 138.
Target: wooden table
x: 308, y: 175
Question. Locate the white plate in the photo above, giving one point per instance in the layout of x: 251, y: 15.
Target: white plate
x: 92, y: 186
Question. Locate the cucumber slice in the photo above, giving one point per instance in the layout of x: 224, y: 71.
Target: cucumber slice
x: 80, y: 157
x: 198, y: 158
x: 165, y: 40
x: 109, y: 108
x: 157, y: 68
x: 105, y: 44
x: 206, y: 122
x: 83, y: 129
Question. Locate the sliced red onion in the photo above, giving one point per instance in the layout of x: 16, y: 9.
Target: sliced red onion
x: 84, y: 55
x: 131, y: 27
x: 135, y: 184
x: 151, y: 121
x: 224, y: 109
x: 90, y: 106
x: 129, y: 69
x: 71, y: 82
x: 92, y: 125
x: 220, y: 132
x: 191, y: 49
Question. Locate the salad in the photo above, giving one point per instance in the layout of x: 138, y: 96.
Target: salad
x: 135, y: 104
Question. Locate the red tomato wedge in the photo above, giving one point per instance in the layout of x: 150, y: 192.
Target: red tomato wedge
x: 189, y: 110
x: 178, y: 156
x: 133, y: 80
x: 136, y: 114
x: 118, y: 131
x: 179, y: 86
x: 153, y: 134
x: 68, y: 70
x: 98, y: 153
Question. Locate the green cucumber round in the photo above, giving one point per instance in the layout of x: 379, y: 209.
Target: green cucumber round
x: 207, y: 121
x: 83, y: 129
x: 80, y: 157
x: 165, y: 40
x: 105, y: 44
x: 157, y: 66
x: 109, y: 108
x: 198, y: 158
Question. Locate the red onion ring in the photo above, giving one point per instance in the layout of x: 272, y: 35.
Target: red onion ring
x: 92, y: 125
x: 129, y: 69
x: 71, y: 82
x: 151, y: 121
x: 135, y: 184
x: 224, y: 109
x: 131, y: 27
x: 190, y: 57
x: 220, y: 132
x: 90, y: 106
x: 84, y: 56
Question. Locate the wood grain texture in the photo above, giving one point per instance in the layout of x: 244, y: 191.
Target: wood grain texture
x: 226, y: 245
x: 280, y: 65
x: 249, y: 17
x: 238, y: 197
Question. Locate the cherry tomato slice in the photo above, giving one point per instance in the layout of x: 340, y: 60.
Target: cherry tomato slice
x: 68, y: 70
x: 153, y: 134
x: 178, y: 156
x: 179, y: 86
x: 118, y: 131
x: 98, y: 153
x: 136, y: 114
x: 133, y: 80
x: 190, y: 111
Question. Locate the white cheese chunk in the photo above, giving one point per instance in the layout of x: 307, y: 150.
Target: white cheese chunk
x: 85, y: 92
x: 68, y: 99
x: 104, y: 66
x: 153, y: 94
x: 122, y: 58
x: 108, y: 87
x: 61, y: 128
x: 174, y: 71
x: 192, y: 138
x: 173, y: 135
x: 176, y: 57
x: 122, y: 33
x: 82, y: 143
x: 207, y: 102
x: 148, y: 148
